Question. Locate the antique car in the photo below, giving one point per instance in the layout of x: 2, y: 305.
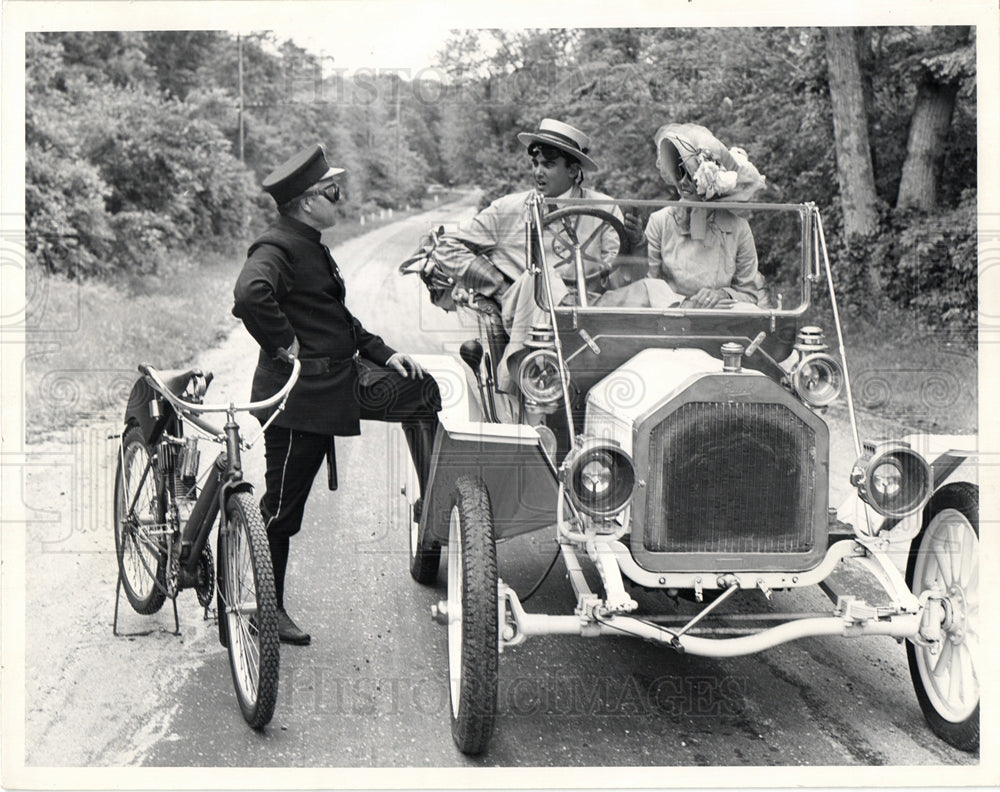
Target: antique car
x: 687, y: 451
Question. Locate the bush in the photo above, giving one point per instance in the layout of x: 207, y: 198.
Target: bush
x: 68, y: 232
x: 141, y: 242
x: 917, y: 261
x: 159, y: 159
x: 936, y: 272
x: 116, y: 173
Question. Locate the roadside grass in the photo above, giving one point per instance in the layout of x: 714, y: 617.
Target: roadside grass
x: 902, y: 372
x: 86, y: 339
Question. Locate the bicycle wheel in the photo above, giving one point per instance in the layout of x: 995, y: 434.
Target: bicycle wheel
x: 140, y: 529
x: 248, y: 615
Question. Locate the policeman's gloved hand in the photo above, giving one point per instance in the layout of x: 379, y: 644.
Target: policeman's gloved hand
x: 406, y: 366
x: 288, y: 355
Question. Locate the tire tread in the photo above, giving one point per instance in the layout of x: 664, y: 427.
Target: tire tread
x: 153, y: 601
x: 473, y: 727
x: 256, y: 713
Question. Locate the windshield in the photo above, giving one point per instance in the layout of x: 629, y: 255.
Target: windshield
x: 674, y: 256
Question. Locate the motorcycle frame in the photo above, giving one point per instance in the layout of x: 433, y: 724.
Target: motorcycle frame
x: 224, y: 479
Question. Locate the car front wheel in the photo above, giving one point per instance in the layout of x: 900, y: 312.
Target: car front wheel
x: 472, y: 616
x: 944, y: 560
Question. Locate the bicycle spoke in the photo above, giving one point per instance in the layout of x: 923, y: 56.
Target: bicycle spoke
x: 241, y: 611
x: 140, y: 532
x: 250, y: 645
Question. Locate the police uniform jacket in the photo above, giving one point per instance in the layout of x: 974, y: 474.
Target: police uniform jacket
x: 290, y: 287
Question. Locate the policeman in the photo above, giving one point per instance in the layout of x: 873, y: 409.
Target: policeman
x: 290, y: 296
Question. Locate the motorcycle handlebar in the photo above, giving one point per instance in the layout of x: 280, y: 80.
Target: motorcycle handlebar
x: 195, y: 409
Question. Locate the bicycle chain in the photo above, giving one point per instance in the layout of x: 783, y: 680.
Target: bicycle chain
x: 205, y: 586
x: 174, y: 555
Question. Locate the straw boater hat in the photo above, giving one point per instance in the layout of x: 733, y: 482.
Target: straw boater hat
x: 563, y: 137
x: 298, y: 173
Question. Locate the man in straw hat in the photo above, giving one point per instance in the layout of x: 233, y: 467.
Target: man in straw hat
x: 290, y: 296
x: 560, y: 159
x: 559, y: 155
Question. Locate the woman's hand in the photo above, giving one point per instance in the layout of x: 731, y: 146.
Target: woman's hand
x: 708, y: 298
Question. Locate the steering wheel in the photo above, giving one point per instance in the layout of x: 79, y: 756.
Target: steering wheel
x: 571, y: 251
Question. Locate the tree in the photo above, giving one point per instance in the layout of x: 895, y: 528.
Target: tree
x: 855, y: 174
x: 940, y: 76
x: 177, y: 56
x: 116, y: 174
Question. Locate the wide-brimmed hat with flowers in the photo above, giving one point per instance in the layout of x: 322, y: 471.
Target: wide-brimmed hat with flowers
x: 697, y: 163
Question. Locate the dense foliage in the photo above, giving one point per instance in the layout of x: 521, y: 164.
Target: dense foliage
x: 765, y: 90
x: 134, y: 145
x: 119, y: 173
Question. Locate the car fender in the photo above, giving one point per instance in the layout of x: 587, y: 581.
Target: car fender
x: 952, y: 458
x: 509, y: 457
x: 459, y: 400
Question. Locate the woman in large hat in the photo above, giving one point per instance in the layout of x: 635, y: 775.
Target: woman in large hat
x: 706, y: 255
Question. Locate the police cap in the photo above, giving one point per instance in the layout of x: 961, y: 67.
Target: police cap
x: 298, y: 173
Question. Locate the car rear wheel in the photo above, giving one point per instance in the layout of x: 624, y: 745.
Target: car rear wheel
x: 944, y: 559
x: 472, y: 616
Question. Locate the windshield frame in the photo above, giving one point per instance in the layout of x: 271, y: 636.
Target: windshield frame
x: 808, y: 267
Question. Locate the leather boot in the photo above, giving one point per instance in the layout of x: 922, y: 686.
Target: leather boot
x: 289, y: 632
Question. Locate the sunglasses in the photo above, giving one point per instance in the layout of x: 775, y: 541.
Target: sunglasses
x: 331, y: 192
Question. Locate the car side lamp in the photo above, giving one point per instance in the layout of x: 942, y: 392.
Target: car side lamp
x: 892, y: 478
x: 817, y: 377
x: 538, y: 373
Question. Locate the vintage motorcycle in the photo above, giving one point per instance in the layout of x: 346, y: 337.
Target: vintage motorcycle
x: 166, y: 507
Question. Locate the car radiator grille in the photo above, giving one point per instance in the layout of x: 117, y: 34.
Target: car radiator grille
x: 731, y: 478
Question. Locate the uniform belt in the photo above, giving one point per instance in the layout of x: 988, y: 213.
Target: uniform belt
x: 312, y: 367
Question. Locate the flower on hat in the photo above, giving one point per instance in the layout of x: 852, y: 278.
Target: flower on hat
x: 712, y: 181
x: 716, y: 172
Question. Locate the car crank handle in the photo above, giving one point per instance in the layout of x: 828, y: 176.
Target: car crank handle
x: 755, y: 344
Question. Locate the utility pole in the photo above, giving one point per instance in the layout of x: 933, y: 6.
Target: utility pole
x: 239, y: 58
x: 396, y: 170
